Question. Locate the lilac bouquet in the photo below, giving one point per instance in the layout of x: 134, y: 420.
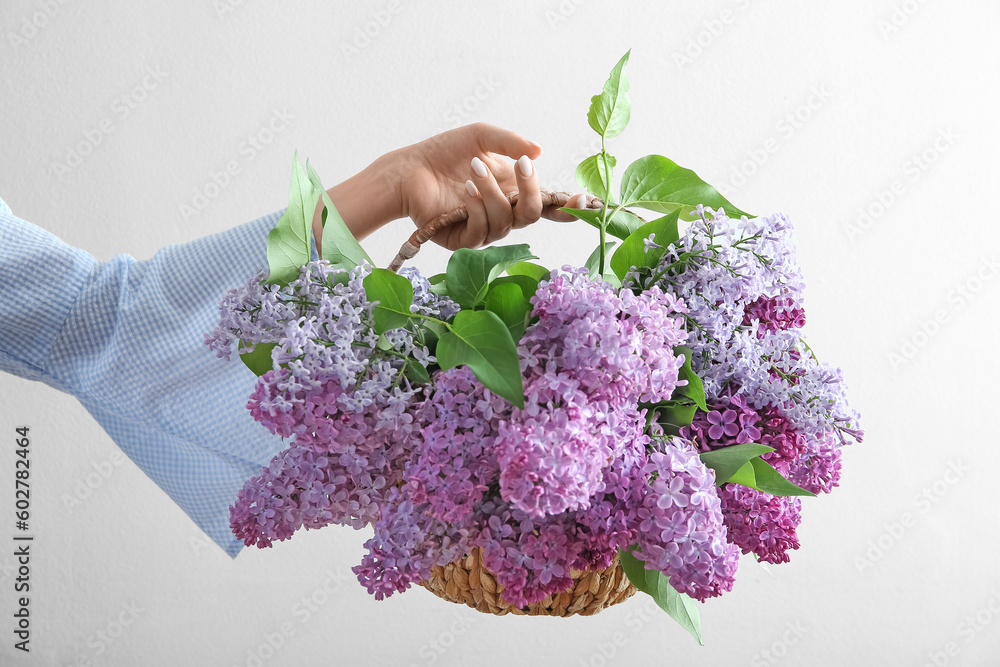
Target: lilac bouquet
x: 658, y: 405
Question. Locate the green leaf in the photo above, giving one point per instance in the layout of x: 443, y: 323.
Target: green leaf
x: 439, y: 284
x: 507, y: 300
x: 632, y: 252
x: 695, y: 388
x: 434, y: 329
x: 771, y: 481
x: 609, y: 111
x: 471, y: 271
x: 594, y: 260
x: 591, y: 174
x: 288, y: 243
x: 761, y: 475
x: 678, y: 414
x: 527, y: 284
x: 416, y: 371
x: 634, y: 568
x: 680, y: 607
x: 530, y: 269
x: 259, y: 359
x: 659, y: 184
x: 339, y: 244
x: 394, y: 295
x: 621, y: 224
x: 727, y: 461
x: 744, y: 476
x: 480, y: 340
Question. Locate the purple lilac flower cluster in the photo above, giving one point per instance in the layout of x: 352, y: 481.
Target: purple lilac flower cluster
x: 680, y: 534
x: 743, y: 289
x: 564, y: 482
x: 757, y: 521
x: 587, y: 362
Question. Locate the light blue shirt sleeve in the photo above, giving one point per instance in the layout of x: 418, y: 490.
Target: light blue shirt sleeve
x: 126, y: 337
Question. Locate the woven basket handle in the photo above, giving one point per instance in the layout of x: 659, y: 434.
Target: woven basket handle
x: 460, y: 214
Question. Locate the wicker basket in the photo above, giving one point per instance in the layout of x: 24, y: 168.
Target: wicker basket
x: 467, y: 580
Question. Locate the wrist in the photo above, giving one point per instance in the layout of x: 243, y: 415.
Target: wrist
x: 366, y: 201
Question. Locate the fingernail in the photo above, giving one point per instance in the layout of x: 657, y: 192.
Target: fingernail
x: 524, y: 165
x: 479, y: 168
x: 532, y: 143
x: 580, y: 201
x: 471, y: 187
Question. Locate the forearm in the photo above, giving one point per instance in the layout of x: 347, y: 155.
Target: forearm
x: 122, y: 319
x: 41, y: 278
x: 365, y: 201
x: 127, y: 338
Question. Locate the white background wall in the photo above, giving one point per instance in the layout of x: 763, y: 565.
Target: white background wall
x: 820, y: 110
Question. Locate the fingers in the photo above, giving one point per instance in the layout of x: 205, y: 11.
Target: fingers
x: 493, y: 139
x: 491, y: 216
x: 499, y: 214
x: 473, y: 233
x: 498, y: 140
x: 553, y: 212
x: 529, y: 200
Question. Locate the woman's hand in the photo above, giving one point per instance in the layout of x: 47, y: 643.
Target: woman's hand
x: 462, y: 166
x: 467, y: 166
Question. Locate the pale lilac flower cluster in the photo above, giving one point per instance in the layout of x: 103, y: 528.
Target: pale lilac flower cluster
x: 341, y: 395
x: 323, y: 327
x: 682, y: 533
x: 454, y: 457
x: 407, y: 543
x: 743, y: 289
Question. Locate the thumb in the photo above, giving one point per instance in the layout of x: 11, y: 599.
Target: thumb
x: 493, y: 139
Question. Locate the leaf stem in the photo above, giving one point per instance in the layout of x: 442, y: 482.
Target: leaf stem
x: 604, y: 211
